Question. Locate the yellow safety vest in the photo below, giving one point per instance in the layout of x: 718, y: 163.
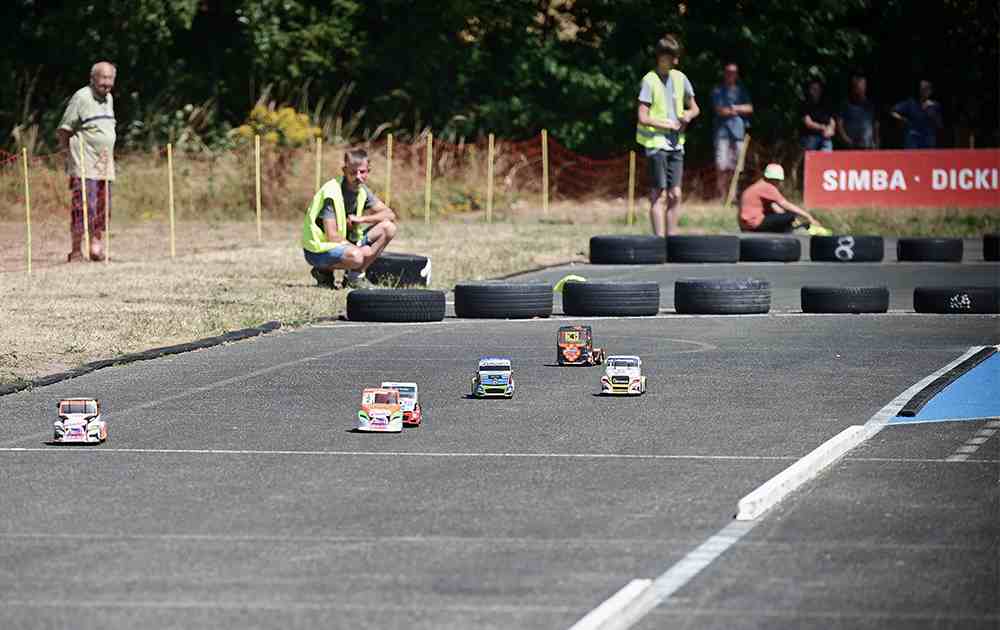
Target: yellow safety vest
x: 654, y: 137
x: 313, y: 236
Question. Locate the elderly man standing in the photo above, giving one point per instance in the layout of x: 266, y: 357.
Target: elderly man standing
x: 87, y: 130
x: 732, y: 107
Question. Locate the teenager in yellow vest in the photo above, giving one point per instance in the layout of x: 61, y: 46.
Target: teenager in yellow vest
x: 335, y: 238
x: 666, y: 107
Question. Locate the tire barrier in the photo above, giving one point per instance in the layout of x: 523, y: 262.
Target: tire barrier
x: 770, y: 249
x: 957, y: 300
x: 846, y: 248
x: 703, y: 249
x: 991, y: 247
x: 721, y: 296
x: 627, y: 250
x: 503, y: 300
x: 845, y: 299
x: 397, y: 270
x: 929, y: 250
x: 611, y: 299
x: 395, y: 305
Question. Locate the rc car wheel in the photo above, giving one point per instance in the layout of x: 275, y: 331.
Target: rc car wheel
x: 395, y: 305
x: 845, y: 299
x: 627, y: 249
x: 770, y: 249
x: 395, y: 269
x: 611, y: 298
x: 929, y: 249
x: 503, y: 300
x: 846, y: 248
x: 703, y: 249
x: 721, y: 296
x: 957, y: 300
x: 991, y: 247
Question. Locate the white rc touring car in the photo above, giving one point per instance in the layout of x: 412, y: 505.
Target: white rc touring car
x: 623, y: 375
x: 380, y: 411
x: 79, y: 422
x: 409, y: 400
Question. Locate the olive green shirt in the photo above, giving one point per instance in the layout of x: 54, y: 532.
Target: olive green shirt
x: 92, y: 123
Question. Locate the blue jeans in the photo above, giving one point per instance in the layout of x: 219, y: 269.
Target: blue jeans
x: 817, y: 143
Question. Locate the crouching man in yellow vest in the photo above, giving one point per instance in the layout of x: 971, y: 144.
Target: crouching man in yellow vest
x: 666, y: 107
x: 334, y: 239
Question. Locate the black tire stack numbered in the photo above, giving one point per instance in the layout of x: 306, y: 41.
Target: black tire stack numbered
x: 503, y: 300
x: 846, y: 248
x: 395, y: 305
x: 957, y: 300
x: 627, y: 249
x: 722, y: 296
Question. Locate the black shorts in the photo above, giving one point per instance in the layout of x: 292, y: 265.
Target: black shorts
x: 666, y: 169
x: 777, y: 222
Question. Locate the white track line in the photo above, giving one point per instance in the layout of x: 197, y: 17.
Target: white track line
x: 781, y: 485
x: 964, y: 452
x: 612, y: 606
x: 758, y: 502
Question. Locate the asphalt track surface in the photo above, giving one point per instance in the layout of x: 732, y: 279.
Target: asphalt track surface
x: 232, y: 494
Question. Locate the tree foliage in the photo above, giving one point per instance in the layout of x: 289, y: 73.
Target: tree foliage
x: 467, y: 67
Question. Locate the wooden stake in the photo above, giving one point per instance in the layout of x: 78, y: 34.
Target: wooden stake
x: 170, y: 197
x: 739, y: 169
x: 427, y: 184
x: 83, y: 195
x: 545, y: 172
x: 388, y: 170
x: 489, y: 181
x: 27, y: 205
x: 107, y: 220
x: 256, y: 170
x: 631, y: 187
x: 319, y: 162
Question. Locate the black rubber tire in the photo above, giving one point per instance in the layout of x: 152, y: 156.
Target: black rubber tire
x: 611, y: 299
x: 991, y: 247
x: 845, y: 299
x: 627, y: 249
x: 721, y: 296
x: 929, y: 250
x: 503, y: 300
x: 395, y: 305
x: 957, y: 300
x: 703, y: 249
x: 770, y: 249
x: 838, y: 249
x: 394, y: 269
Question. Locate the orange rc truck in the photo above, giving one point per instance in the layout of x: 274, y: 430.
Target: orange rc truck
x: 574, y: 346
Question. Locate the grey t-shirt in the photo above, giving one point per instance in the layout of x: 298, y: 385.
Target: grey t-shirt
x: 646, y: 97
x: 350, y: 195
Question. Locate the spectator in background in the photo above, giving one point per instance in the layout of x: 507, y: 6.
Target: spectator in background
x: 818, y: 125
x: 89, y: 124
x: 666, y: 107
x: 764, y: 209
x: 921, y: 118
x: 858, y: 122
x: 732, y: 107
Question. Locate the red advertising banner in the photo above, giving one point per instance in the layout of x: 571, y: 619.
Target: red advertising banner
x: 932, y: 178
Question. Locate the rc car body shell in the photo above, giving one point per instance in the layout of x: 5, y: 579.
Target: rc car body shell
x: 623, y: 376
x: 574, y: 346
x: 79, y: 422
x: 409, y: 400
x: 380, y: 411
x: 494, y: 378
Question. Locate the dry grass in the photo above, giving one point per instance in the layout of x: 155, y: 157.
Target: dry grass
x: 64, y: 315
